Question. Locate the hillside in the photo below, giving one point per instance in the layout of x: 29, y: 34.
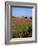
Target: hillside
x: 15, y: 19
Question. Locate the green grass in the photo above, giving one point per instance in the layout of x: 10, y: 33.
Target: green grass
x: 23, y: 27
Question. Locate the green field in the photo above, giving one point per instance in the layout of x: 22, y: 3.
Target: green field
x: 21, y: 30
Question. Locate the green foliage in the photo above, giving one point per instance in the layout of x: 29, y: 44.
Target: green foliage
x: 31, y: 17
x: 23, y: 28
x: 26, y: 17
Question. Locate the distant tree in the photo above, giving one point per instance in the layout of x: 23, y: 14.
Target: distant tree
x: 25, y: 17
x: 31, y: 17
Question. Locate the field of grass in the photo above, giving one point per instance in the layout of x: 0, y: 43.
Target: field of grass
x: 21, y: 28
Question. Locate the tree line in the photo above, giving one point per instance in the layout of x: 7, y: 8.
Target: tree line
x: 27, y: 17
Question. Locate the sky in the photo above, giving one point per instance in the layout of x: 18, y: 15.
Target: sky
x: 18, y: 11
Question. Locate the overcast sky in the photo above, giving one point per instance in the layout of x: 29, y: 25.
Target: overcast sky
x: 17, y: 11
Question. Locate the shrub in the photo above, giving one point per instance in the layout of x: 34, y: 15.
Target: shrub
x: 31, y: 17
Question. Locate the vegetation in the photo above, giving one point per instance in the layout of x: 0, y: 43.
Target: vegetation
x: 26, y: 17
x: 22, y: 29
x: 31, y: 17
